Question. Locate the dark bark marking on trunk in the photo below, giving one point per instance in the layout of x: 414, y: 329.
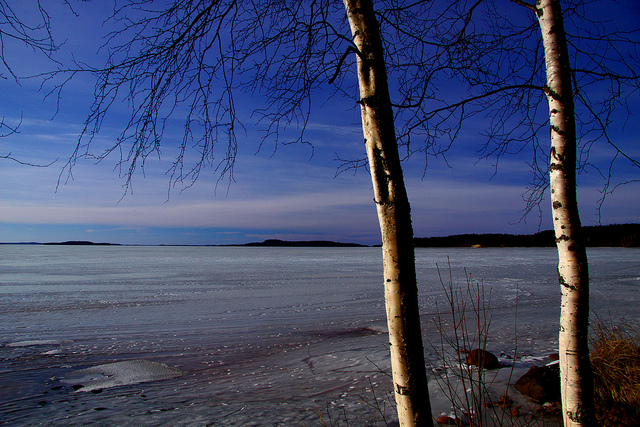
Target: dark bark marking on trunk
x: 404, y: 391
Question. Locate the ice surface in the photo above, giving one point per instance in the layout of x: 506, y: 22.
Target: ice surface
x: 116, y: 374
x: 29, y: 343
x: 262, y: 336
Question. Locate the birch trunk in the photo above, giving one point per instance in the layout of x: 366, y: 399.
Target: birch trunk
x: 394, y: 214
x: 575, y: 368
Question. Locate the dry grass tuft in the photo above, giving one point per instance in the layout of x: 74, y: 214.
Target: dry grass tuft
x: 615, y: 360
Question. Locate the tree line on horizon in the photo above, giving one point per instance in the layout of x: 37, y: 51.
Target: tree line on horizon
x: 615, y: 235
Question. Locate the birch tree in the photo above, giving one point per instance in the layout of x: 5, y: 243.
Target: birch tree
x: 576, y: 380
x: 401, y: 294
x: 536, y: 65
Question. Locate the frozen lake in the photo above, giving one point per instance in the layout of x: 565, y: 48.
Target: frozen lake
x: 123, y: 335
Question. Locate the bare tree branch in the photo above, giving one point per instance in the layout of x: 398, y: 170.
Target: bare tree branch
x: 10, y: 157
x: 448, y: 62
x: 497, y: 62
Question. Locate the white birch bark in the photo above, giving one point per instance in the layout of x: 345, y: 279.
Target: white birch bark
x: 575, y: 369
x: 394, y: 214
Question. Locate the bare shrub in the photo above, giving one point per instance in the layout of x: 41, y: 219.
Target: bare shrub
x: 615, y: 360
x: 469, y: 385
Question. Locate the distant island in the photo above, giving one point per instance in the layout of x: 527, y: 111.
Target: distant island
x: 305, y: 244
x: 617, y: 235
x: 80, y: 243
x: 267, y: 243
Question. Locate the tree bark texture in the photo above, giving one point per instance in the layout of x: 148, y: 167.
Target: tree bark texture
x: 575, y: 367
x: 394, y: 214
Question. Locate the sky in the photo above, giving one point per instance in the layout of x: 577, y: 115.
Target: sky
x: 293, y: 192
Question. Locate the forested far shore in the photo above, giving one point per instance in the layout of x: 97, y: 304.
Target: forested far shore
x: 616, y: 235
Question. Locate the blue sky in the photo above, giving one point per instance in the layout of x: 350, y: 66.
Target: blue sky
x: 291, y: 193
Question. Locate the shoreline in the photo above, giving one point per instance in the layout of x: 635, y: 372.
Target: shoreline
x: 341, y: 373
